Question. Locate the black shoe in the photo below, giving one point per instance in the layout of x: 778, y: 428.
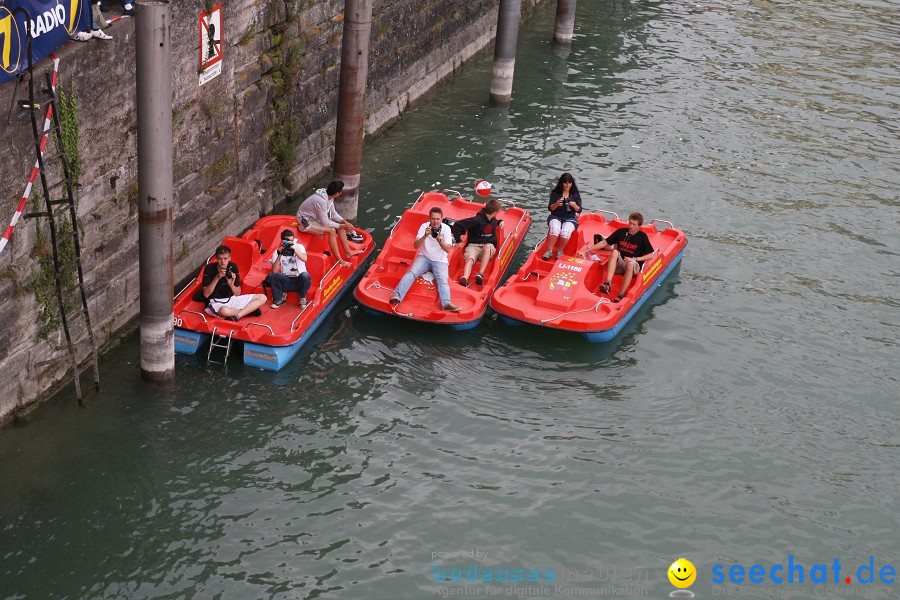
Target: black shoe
x: 255, y: 313
x: 102, y: 7
x: 479, y: 279
x: 129, y: 12
x: 231, y: 318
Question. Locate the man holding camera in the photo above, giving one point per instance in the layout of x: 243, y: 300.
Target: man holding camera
x: 481, y: 241
x: 222, y: 289
x: 288, y: 270
x: 434, y: 242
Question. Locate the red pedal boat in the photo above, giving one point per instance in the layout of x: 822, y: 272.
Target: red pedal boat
x: 273, y: 338
x: 421, y: 302
x: 563, y: 294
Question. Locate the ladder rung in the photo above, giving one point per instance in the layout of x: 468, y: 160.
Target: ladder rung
x: 56, y: 185
x: 90, y: 365
x: 35, y: 215
x: 70, y: 265
x: 53, y: 156
x: 61, y: 200
x: 75, y: 312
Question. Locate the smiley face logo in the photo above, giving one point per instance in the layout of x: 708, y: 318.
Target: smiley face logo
x: 682, y: 573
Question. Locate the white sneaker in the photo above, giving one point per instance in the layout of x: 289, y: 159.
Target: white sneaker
x: 98, y: 33
x: 83, y: 36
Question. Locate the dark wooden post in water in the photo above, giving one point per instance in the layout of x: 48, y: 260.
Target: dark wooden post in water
x: 352, y: 102
x: 565, y: 21
x: 505, y: 50
x: 153, y: 58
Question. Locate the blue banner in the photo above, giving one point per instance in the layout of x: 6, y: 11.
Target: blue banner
x: 52, y: 22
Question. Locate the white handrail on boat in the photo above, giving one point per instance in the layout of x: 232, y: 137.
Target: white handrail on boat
x: 260, y: 325
x: 300, y: 314
x: 194, y: 312
x: 328, y: 272
x: 394, y: 226
x: 609, y: 212
x: 194, y: 279
x: 458, y: 195
x: 669, y: 223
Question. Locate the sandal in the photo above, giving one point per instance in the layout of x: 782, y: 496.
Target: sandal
x: 619, y: 297
x: 546, y: 255
x: 604, y: 287
x: 479, y: 279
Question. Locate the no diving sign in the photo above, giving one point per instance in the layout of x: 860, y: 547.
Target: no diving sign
x: 210, y: 44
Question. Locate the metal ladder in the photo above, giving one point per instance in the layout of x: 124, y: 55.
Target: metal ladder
x: 54, y: 209
x: 219, y: 340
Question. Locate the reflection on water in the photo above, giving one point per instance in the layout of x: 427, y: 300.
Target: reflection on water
x: 746, y: 413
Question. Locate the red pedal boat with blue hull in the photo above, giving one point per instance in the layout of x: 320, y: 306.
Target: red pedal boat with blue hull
x: 563, y: 294
x: 271, y: 340
x: 421, y: 302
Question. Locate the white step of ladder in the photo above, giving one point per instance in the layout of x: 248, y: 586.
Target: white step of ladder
x: 219, y: 341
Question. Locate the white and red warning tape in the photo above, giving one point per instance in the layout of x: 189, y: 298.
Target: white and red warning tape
x: 37, y: 164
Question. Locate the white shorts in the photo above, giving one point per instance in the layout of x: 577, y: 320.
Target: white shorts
x: 563, y: 230
x: 235, y: 302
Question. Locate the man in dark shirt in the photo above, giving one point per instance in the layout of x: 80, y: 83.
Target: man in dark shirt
x: 481, y: 242
x: 222, y: 289
x: 630, y: 250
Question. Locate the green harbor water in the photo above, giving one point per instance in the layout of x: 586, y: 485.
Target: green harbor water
x: 747, y: 414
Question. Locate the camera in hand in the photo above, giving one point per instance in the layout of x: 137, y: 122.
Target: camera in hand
x: 287, y: 248
x: 435, y: 232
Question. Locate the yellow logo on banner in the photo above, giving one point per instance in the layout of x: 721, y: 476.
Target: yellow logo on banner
x: 6, y: 33
x: 74, y: 11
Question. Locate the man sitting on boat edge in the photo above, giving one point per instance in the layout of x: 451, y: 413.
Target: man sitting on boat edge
x: 222, y: 289
x: 289, y: 272
x: 317, y: 215
x: 433, y: 241
x: 631, y: 248
x: 481, y: 242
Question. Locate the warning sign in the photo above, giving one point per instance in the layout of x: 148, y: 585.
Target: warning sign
x: 210, y: 44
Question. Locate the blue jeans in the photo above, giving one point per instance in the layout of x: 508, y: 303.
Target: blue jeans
x: 420, y: 265
x: 281, y: 284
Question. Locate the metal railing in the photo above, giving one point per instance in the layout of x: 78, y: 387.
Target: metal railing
x: 608, y: 212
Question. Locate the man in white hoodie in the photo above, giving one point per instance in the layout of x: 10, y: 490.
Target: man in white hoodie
x: 317, y: 215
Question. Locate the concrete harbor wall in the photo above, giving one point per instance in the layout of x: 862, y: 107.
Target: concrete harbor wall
x: 243, y: 141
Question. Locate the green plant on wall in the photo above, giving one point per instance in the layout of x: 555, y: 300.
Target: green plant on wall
x: 287, y: 63
x: 283, y: 146
x: 43, y: 280
x: 67, y: 139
